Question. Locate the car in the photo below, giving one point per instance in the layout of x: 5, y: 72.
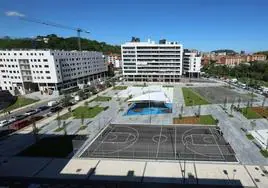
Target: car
x: 55, y: 109
x: 20, y: 117
x: 12, y: 119
x: 30, y: 112
x: 42, y: 108
x: 4, y: 123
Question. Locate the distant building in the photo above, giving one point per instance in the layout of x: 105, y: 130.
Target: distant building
x: 191, y: 63
x: 152, y: 62
x: 231, y: 60
x: 115, y: 59
x: 256, y: 57
x: 48, y: 71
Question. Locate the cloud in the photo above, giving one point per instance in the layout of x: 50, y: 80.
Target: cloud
x: 14, y: 13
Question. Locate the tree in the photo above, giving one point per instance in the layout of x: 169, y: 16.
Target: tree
x: 66, y: 100
x: 81, y: 94
x: 64, y: 126
x: 252, y: 99
x: 82, y: 116
x: 263, y: 102
x: 238, y: 103
x: 35, y: 129
x: 58, y: 119
x: 199, y: 111
x: 225, y: 102
x: 181, y: 109
x: 253, y: 124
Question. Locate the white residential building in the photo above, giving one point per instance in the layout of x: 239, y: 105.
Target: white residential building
x: 152, y: 62
x: 191, y: 63
x: 115, y: 59
x: 48, y: 71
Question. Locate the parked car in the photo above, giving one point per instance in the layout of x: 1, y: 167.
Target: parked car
x: 12, y: 119
x: 20, y: 117
x: 30, y: 112
x: 42, y: 108
x: 55, y: 109
x: 4, y: 123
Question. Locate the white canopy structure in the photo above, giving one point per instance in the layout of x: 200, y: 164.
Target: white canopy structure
x: 153, y: 96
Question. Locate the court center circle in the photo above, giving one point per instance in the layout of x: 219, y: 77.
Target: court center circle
x: 162, y: 138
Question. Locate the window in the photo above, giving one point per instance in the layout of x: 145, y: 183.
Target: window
x: 36, y: 66
x: 44, y: 60
x: 38, y: 60
x: 10, y: 88
x: 48, y: 77
x: 47, y: 72
x: 46, y: 66
x: 33, y: 71
x: 37, y: 71
x: 41, y: 71
x: 40, y: 66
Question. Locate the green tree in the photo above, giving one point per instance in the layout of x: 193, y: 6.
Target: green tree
x: 263, y: 101
x: 64, y: 126
x: 35, y: 129
x: 66, y: 100
x: 58, y: 119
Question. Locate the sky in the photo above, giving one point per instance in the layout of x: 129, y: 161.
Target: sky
x: 198, y: 24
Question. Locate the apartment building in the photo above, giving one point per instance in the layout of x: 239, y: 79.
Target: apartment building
x: 114, y: 59
x: 152, y: 62
x: 191, y: 63
x: 48, y: 71
x: 256, y: 57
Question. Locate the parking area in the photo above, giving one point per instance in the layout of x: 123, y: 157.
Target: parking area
x: 216, y: 95
x: 197, y: 143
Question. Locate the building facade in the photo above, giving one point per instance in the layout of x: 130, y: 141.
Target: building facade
x: 115, y: 59
x: 191, y: 63
x: 152, y: 62
x: 256, y: 57
x: 48, y: 71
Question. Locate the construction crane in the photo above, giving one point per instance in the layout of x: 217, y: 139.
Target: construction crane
x: 78, y: 30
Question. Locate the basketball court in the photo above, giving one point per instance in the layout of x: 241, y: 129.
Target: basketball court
x: 198, y: 143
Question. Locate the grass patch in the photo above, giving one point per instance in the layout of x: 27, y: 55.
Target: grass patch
x: 120, y: 88
x: 250, y: 114
x: 264, y: 153
x: 249, y: 136
x: 59, y: 129
x: 102, y: 99
x: 139, y: 85
x: 20, y: 102
x: 204, y: 119
x: 82, y: 127
x: 87, y: 112
x: 65, y: 116
x: 192, y: 98
x: 62, y: 146
x: 207, y: 120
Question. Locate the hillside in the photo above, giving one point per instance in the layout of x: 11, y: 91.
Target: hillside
x: 55, y: 42
x: 262, y: 52
x: 225, y: 50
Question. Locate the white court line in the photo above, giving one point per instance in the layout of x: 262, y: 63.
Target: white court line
x: 136, y: 138
x: 182, y: 138
x: 102, y: 140
x: 117, y: 134
x: 217, y: 144
x: 159, y: 142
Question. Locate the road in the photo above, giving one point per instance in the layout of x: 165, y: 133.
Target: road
x: 22, y: 111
